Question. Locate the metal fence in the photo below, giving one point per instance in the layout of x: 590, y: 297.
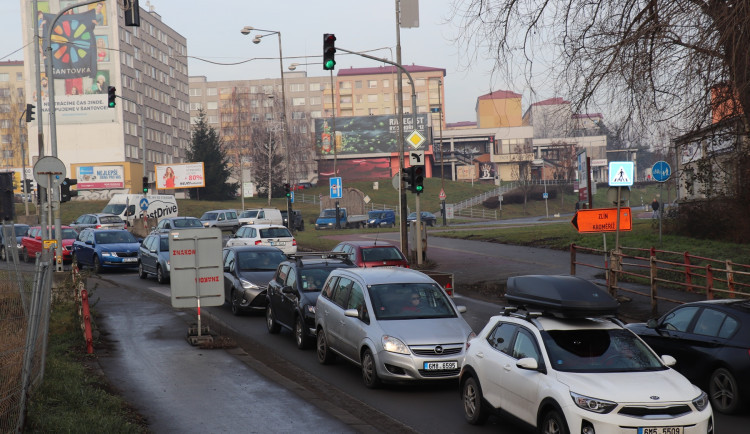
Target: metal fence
x: 24, y: 320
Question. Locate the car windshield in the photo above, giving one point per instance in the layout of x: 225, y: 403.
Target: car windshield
x: 163, y: 244
x: 67, y: 234
x: 249, y: 214
x: 400, y: 301
x: 610, y: 350
x: 313, y: 278
x: 275, y: 233
x: 114, y: 237
x: 385, y: 253
x: 187, y: 223
x: 209, y: 216
x: 412, y: 216
x: 260, y: 261
x: 330, y: 213
x: 115, y: 209
x: 376, y: 214
x: 21, y: 230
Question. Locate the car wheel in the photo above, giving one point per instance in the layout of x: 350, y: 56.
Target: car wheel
x: 97, y: 265
x: 370, y: 371
x: 160, y: 275
x: 723, y: 391
x: 271, y: 324
x: 300, y: 334
x: 141, y: 272
x: 325, y: 356
x: 474, y: 412
x: 235, y: 304
x: 553, y: 423
x: 3, y: 256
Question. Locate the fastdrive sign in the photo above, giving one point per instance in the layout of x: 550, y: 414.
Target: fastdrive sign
x: 196, y: 272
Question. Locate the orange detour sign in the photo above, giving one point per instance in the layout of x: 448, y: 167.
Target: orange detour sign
x: 602, y: 220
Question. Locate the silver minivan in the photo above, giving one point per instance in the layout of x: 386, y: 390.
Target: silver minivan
x: 396, y: 323
x: 224, y: 219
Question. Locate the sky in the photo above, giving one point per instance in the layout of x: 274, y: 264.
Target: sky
x: 212, y: 30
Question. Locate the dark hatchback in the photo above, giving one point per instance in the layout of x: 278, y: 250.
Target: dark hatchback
x: 293, y: 293
x: 17, y: 232
x: 711, y: 342
x: 247, y: 270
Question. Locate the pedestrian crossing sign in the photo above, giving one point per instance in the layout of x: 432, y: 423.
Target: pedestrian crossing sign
x: 620, y: 173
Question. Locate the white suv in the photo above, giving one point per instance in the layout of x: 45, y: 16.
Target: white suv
x: 553, y: 366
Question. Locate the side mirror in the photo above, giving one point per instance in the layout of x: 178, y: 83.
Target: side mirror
x: 90, y: 243
x: 461, y: 309
x: 288, y: 290
x: 226, y: 268
x: 668, y: 360
x: 652, y: 323
x: 528, y: 363
x: 351, y: 313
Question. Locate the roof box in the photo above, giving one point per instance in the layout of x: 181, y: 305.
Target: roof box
x: 566, y: 296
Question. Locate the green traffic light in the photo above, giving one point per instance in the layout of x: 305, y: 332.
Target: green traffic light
x: 330, y: 64
x: 419, y: 188
x: 112, y: 104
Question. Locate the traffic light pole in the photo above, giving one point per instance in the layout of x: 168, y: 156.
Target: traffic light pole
x: 143, y: 132
x: 24, y: 187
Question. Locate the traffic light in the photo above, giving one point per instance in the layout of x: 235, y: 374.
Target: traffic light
x: 30, y: 112
x: 111, y: 95
x: 65, y: 192
x: 408, y: 177
x: 7, y: 207
x: 145, y: 185
x: 287, y: 190
x: 28, y: 187
x: 418, y: 179
x: 329, y: 51
x: 132, y: 13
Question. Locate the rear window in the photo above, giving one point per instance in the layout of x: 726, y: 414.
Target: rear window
x: 110, y: 219
x: 187, y: 223
x: 381, y: 254
x: 21, y: 230
x: 275, y: 233
x: 231, y: 215
x: 249, y: 214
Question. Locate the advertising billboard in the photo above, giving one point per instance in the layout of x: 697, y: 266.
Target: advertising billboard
x: 100, y: 177
x: 184, y: 175
x: 365, y: 134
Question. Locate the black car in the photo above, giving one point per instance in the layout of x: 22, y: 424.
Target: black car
x: 18, y: 232
x: 711, y: 342
x: 428, y: 218
x: 298, y: 222
x: 247, y: 270
x: 294, y: 290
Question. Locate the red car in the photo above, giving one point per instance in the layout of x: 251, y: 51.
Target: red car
x: 373, y: 254
x: 32, y: 242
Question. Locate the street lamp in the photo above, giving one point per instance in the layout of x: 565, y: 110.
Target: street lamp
x: 256, y: 40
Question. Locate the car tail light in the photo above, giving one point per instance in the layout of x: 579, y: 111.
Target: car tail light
x: 449, y: 289
x: 98, y: 227
x: 294, y: 242
x: 259, y: 242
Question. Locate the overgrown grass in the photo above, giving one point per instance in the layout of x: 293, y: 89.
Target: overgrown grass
x: 73, y: 396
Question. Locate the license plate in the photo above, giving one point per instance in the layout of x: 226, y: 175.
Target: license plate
x: 440, y: 366
x: 278, y: 243
x: 661, y: 430
x: 129, y: 259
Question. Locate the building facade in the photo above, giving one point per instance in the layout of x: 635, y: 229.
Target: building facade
x: 13, y: 137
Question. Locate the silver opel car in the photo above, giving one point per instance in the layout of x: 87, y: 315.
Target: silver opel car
x: 396, y: 323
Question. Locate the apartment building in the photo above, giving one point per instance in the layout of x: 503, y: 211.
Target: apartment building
x: 148, y: 67
x: 13, y: 137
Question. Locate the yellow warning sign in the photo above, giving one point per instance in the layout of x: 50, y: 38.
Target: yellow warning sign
x: 50, y: 243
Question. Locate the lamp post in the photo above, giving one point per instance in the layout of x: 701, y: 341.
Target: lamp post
x: 442, y: 165
x: 256, y: 40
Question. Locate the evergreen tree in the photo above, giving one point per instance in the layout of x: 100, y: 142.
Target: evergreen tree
x: 206, y: 146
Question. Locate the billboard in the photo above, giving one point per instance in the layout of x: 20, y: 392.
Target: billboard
x: 184, y: 175
x: 365, y: 134
x: 357, y: 169
x: 100, y: 177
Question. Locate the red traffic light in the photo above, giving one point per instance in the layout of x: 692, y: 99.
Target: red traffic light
x: 329, y: 50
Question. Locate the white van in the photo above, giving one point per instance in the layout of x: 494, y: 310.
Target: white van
x: 258, y: 216
x: 128, y: 206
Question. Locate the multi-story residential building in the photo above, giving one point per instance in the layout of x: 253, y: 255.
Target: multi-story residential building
x: 148, y: 67
x: 499, y: 109
x: 13, y: 136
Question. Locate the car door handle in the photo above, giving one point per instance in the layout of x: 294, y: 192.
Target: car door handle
x: 507, y: 367
x: 480, y: 355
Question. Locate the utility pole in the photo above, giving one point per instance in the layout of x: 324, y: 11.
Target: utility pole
x: 402, y: 190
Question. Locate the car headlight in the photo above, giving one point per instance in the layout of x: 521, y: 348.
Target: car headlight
x: 310, y: 309
x: 19, y: 246
x: 592, y: 404
x: 246, y: 284
x: 168, y: 266
x: 394, y: 345
x: 107, y: 254
x: 206, y: 224
x: 372, y: 221
x: 701, y: 402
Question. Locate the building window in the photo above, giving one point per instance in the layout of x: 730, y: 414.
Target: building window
x: 195, y: 92
x: 4, y: 76
x: 346, y: 100
x: 372, y: 112
x: 211, y: 91
x: 315, y: 114
x: 419, y: 82
x: 7, y: 139
x: 255, y: 117
x: 372, y: 84
x: 358, y: 84
x: 269, y: 116
x: 345, y: 85
x: 298, y: 101
x: 196, y: 106
x: 315, y: 100
x: 297, y: 87
x: 372, y: 98
x: 213, y: 119
x: 212, y: 105
x: 314, y: 87
x: 298, y: 115
x: 19, y: 76
x: 386, y: 83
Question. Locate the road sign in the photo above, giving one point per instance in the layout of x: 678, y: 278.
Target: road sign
x: 49, y: 168
x: 416, y: 158
x: 612, y: 195
x: 415, y: 139
x: 545, y: 195
x: 442, y: 194
x: 336, y: 188
x: 197, y: 274
x: 143, y: 204
x: 661, y: 171
x: 291, y: 197
x: 602, y: 220
x: 620, y: 173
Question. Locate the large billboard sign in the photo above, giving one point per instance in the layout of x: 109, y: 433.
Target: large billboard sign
x: 185, y: 175
x: 100, y: 177
x: 365, y: 135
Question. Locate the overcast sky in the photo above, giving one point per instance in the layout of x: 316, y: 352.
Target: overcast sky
x: 212, y: 30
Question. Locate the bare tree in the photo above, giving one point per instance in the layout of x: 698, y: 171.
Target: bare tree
x: 565, y: 165
x: 521, y: 159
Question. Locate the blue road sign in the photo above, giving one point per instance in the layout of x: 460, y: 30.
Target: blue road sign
x: 336, y: 187
x: 545, y: 195
x: 620, y: 173
x: 144, y: 204
x: 291, y: 198
x: 661, y: 171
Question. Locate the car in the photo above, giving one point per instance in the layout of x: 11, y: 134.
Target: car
x: 106, y: 248
x: 372, y: 253
x: 381, y: 218
x: 169, y: 223
x: 153, y: 257
x: 428, y: 218
x: 560, y: 361
x: 298, y: 223
x: 396, y: 324
x: 303, y: 185
x: 711, y: 341
x: 247, y: 271
x: 264, y: 235
x: 224, y: 219
x: 293, y: 293
x: 98, y: 221
x: 17, y: 232
x: 31, y: 243
x: 260, y: 216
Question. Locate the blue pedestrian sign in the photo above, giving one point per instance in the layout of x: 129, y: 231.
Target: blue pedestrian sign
x: 291, y: 197
x: 545, y: 195
x: 661, y: 171
x: 144, y: 204
x: 336, y: 187
x: 620, y: 173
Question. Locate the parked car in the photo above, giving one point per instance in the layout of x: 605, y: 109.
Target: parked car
x: 169, y: 223
x: 98, y: 221
x: 293, y: 293
x: 31, y: 243
x: 303, y: 185
x: 224, y: 219
x: 396, y: 324
x: 265, y: 235
x: 261, y: 216
x: 153, y: 257
x: 558, y: 360
x: 372, y: 253
x: 17, y: 232
x: 247, y: 271
x: 298, y: 223
x: 105, y: 248
x: 711, y: 342
x: 381, y: 218
x: 428, y: 218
